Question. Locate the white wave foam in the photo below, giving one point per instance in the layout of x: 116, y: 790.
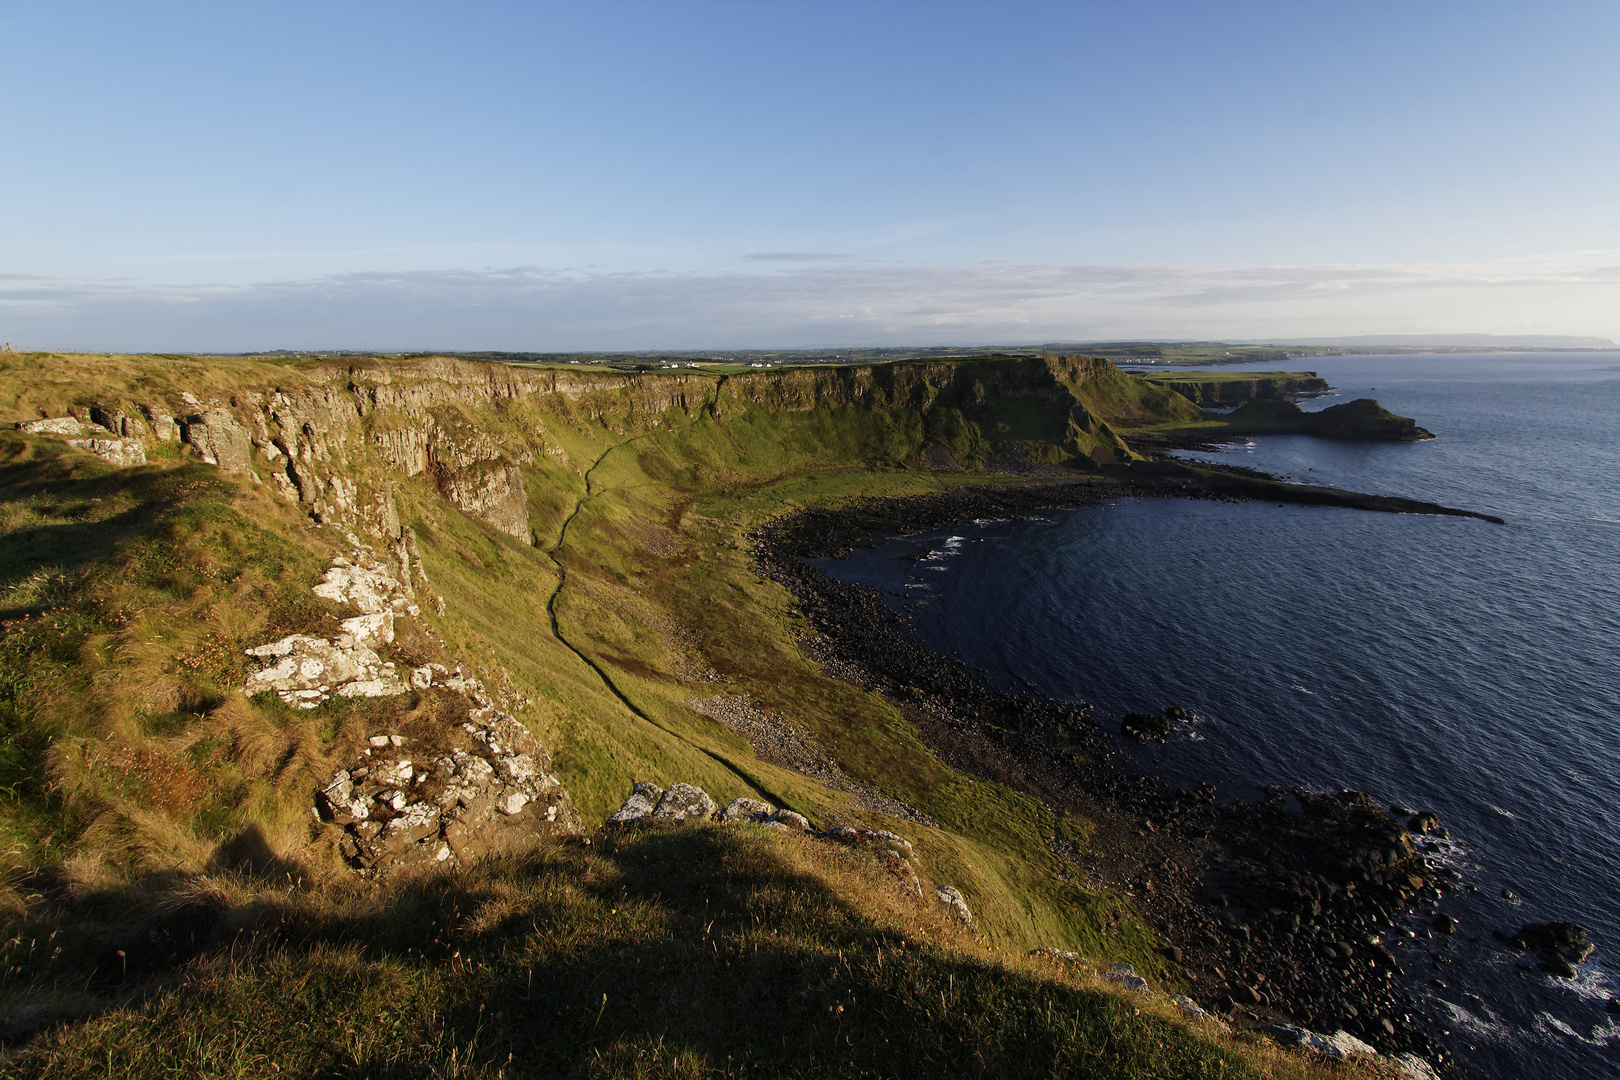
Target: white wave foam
x: 1478, y: 1027
x: 1548, y: 1026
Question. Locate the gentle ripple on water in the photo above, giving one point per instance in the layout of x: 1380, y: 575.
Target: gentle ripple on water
x: 1436, y: 662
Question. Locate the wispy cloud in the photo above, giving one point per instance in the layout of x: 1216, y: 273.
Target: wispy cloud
x: 795, y: 256
x: 537, y: 308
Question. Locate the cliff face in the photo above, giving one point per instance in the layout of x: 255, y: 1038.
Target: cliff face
x: 335, y: 438
x: 267, y: 625
x: 378, y: 453
x: 996, y: 413
x: 252, y: 479
x: 1222, y: 391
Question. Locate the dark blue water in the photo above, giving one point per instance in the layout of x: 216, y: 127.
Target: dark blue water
x: 1440, y: 663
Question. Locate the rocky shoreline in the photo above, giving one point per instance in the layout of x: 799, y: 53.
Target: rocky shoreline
x: 1278, y: 912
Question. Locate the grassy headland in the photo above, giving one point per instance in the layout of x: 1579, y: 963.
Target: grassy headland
x: 174, y: 905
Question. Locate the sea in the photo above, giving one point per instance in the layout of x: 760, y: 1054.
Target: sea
x: 1437, y: 663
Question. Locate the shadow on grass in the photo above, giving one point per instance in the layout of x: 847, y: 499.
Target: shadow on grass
x: 699, y: 951
x: 66, y: 494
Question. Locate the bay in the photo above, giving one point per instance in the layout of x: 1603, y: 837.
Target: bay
x: 1438, y: 663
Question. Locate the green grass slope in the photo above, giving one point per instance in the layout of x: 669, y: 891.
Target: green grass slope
x: 173, y: 906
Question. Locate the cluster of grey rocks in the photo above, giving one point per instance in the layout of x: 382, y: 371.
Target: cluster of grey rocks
x: 652, y: 806
x: 106, y: 441
x: 487, y: 789
x: 450, y: 794
x: 1343, y: 1046
x: 305, y: 671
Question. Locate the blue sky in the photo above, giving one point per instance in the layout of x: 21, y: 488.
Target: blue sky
x: 682, y: 174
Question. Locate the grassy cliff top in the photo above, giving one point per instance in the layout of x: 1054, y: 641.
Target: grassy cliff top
x: 1200, y: 376
x: 581, y: 542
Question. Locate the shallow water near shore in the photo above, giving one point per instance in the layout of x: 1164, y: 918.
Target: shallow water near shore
x: 1437, y: 663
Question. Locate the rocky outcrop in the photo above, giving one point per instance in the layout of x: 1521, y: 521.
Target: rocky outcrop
x: 220, y: 440
x: 60, y: 426
x: 950, y: 898
x: 744, y: 809
x: 683, y: 802
x: 1562, y: 946
x: 92, y: 439
x: 120, y: 452
x: 1340, y: 1045
x: 305, y: 671
x: 492, y: 492
x: 1361, y: 420
x: 650, y: 806
x: 165, y: 428
x: 1365, y: 419
x: 448, y: 792
x: 1145, y: 726
x: 486, y: 788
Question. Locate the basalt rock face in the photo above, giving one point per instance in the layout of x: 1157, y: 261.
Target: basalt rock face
x: 1068, y: 407
x: 337, y: 439
x: 1226, y: 392
x: 220, y: 439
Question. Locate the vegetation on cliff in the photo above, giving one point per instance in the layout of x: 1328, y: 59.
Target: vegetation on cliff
x: 578, y: 541
x: 1212, y: 389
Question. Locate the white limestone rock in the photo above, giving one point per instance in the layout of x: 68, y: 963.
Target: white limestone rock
x: 221, y: 440
x: 371, y: 590
x: 950, y: 897
x: 1125, y: 977
x: 1340, y: 1045
x: 124, y: 453
x: 393, y: 772
x: 371, y: 630
x: 55, y: 425
x: 517, y: 768
x: 338, y: 800
x: 635, y: 808
x: 745, y: 809
x: 791, y: 821
x: 307, y: 669
x: 684, y: 802
x: 1414, y: 1067
x: 1191, y: 1009
x: 415, y: 821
